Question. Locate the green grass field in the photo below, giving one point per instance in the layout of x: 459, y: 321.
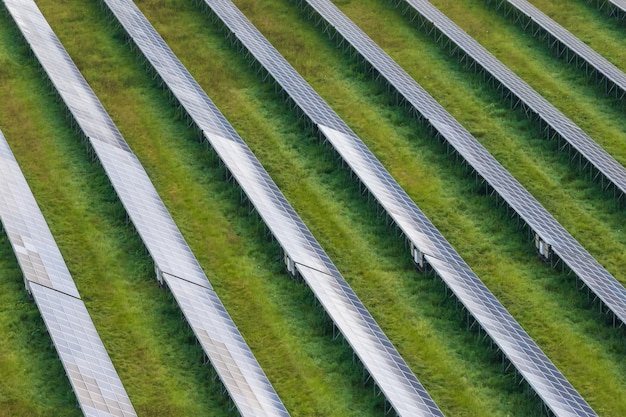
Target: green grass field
x: 156, y: 355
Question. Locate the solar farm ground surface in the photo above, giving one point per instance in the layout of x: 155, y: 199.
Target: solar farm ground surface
x: 153, y: 351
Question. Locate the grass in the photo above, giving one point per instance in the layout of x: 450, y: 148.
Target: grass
x: 156, y: 356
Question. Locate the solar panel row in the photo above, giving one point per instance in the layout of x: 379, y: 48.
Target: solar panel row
x: 546, y: 227
x: 504, y: 330
x: 305, y: 256
x: 98, y: 388
x: 559, y: 126
x: 550, y: 233
x: 566, y: 44
x: 176, y: 265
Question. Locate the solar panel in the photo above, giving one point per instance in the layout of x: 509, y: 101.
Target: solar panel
x: 172, y: 256
x: 407, y: 396
x: 98, y: 388
x: 246, y: 383
x: 529, y: 15
x: 400, y: 386
x: 567, y: 130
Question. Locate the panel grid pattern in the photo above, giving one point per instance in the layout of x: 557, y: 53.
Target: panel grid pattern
x: 379, y: 357
x: 567, y: 40
x: 533, y: 101
x: 96, y: 384
x: 249, y: 388
x: 598, y: 279
x: 499, y: 179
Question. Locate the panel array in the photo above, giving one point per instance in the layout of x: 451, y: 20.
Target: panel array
x: 175, y: 264
x: 551, y: 236
x: 304, y: 256
x: 98, y: 388
x: 525, y: 355
x: 555, y: 123
x: 565, y: 44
